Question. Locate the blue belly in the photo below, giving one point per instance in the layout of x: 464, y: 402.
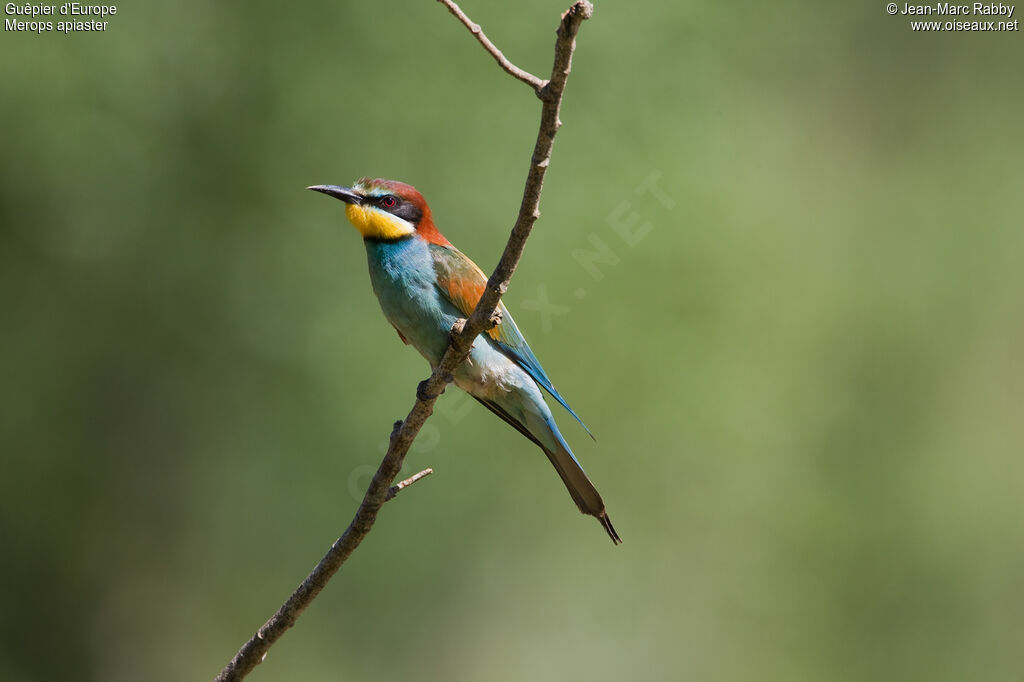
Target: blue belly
x: 403, y: 277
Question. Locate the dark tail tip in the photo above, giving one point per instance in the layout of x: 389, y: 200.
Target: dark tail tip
x: 608, y: 527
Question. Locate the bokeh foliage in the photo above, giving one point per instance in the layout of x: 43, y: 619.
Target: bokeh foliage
x: 805, y: 381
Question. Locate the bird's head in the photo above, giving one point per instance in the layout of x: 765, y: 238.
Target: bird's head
x: 385, y: 210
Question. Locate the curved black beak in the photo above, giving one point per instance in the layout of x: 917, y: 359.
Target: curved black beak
x: 343, y: 193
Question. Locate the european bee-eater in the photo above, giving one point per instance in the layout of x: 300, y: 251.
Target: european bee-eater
x: 424, y: 284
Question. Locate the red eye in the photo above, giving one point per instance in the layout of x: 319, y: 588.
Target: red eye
x: 388, y: 201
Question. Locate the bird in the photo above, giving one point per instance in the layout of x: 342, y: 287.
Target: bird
x: 424, y: 285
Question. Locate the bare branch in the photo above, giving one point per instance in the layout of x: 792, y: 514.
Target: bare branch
x: 510, y: 68
x: 402, y: 485
x: 464, y: 332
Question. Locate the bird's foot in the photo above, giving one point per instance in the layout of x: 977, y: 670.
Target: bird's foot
x: 457, y: 328
x: 495, y: 319
x: 423, y: 392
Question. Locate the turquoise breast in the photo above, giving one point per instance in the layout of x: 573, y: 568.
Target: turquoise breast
x: 403, y: 277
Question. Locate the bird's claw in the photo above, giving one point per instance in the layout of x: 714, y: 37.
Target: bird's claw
x: 495, y: 319
x: 456, y: 331
x: 422, y: 393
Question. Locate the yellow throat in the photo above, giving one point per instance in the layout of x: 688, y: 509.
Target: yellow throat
x: 374, y: 223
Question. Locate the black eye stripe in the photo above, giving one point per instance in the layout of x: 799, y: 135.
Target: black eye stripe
x: 399, y: 207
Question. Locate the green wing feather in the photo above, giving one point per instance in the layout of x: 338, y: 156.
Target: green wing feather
x: 463, y: 283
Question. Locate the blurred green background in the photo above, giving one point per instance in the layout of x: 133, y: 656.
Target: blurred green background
x: 805, y: 378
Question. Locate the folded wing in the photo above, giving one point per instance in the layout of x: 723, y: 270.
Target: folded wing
x: 462, y: 283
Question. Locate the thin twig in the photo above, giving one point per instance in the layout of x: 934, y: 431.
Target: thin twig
x: 510, y: 68
x: 464, y: 332
x: 402, y: 485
